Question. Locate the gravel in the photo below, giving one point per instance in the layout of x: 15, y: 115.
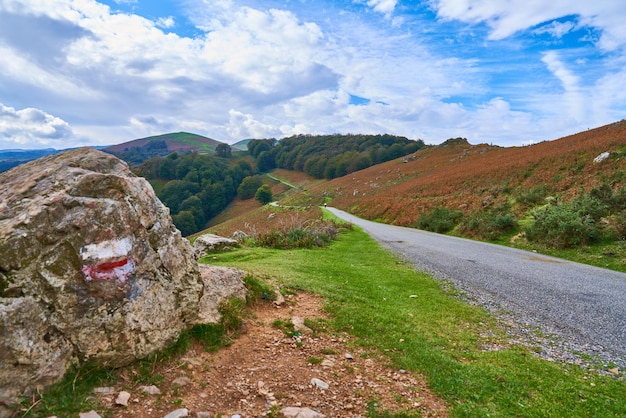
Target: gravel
x: 564, y: 310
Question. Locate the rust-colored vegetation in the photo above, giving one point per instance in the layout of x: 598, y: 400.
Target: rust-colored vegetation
x: 471, y: 177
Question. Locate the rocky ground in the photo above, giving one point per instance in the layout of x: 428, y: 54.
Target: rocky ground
x: 266, y: 370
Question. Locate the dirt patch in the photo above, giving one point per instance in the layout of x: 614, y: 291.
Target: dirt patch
x: 268, y: 368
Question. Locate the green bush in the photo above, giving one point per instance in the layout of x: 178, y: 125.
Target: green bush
x: 440, y: 220
x: 489, y: 224
x: 264, y: 195
x: 304, y: 235
x: 248, y: 187
x: 569, y: 224
x: 533, y: 196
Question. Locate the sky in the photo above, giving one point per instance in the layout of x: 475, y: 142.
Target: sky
x: 508, y: 73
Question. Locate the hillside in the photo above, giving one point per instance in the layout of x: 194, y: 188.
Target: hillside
x: 140, y: 150
x: 178, y: 141
x: 479, y: 184
x: 471, y: 177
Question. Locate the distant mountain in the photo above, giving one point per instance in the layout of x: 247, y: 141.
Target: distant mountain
x: 241, y: 145
x: 13, y: 157
x: 178, y: 141
x: 139, y: 150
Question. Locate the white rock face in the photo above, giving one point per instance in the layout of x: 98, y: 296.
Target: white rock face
x: 220, y: 284
x: 208, y: 243
x: 602, y: 157
x: 91, y: 269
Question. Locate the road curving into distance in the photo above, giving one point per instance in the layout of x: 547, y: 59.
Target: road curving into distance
x: 581, y: 306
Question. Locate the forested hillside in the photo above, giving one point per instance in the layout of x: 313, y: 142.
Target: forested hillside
x: 195, y: 186
x: 137, y: 151
x: 329, y: 156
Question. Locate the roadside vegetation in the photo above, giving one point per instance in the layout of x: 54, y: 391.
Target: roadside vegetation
x: 461, y: 350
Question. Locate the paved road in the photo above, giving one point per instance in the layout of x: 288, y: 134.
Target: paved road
x: 585, y: 305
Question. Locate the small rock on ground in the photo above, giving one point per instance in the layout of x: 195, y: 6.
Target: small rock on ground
x: 179, y: 413
x: 293, y: 412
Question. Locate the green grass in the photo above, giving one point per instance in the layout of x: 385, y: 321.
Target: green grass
x: 74, y: 394
x: 407, y: 315
x: 608, y: 255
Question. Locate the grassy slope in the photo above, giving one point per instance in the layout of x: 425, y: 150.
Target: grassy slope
x: 175, y: 141
x: 406, y: 314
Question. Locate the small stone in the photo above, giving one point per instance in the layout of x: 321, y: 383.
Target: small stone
x: 150, y: 390
x: 614, y: 371
x: 122, y: 398
x: 280, y: 299
x: 104, y: 390
x: 293, y: 412
x: 327, y: 363
x: 90, y: 414
x: 181, y: 381
x: 203, y: 415
x: 402, y: 371
x: 319, y: 383
x: 179, y: 413
x: 601, y: 157
x: 413, y: 296
x: 349, y: 356
x: 298, y: 325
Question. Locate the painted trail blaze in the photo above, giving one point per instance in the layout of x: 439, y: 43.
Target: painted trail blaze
x: 108, y: 260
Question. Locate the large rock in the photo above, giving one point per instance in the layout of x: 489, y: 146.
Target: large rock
x: 220, y: 284
x: 91, y: 269
x: 209, y: 243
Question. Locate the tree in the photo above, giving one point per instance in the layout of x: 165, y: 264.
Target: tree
x: 264, y: 194
x: 265, y: 161
x: 248, y: 187
x: 194, y: 205
x: 223, y: 150
x: 185, y: 222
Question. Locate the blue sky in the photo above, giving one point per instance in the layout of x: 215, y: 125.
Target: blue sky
x: 86, y: 72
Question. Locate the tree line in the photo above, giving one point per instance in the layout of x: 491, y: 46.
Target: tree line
x: 196, y: 187
x: 329, y: 156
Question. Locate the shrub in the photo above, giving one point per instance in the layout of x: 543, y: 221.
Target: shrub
x: 570, y: 224
x: 490, y: 224
x: 298, y: 234
x: 248, y: 187
x: 440, y: 220
x: 533, y: 196
x: 264, y: 195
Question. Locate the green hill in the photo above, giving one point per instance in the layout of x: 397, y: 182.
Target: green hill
x: 139, y: 150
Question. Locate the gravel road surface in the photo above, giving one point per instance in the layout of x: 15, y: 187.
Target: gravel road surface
x: 578, y: 308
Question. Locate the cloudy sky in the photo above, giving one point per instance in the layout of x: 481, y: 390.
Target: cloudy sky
x: 87, y: 72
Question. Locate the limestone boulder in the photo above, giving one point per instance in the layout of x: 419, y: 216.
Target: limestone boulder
x: 209, y: 243
x: 91, y: 269
x: 220, y: 284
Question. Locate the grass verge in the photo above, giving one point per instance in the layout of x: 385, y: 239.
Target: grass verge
x: 460, y: 349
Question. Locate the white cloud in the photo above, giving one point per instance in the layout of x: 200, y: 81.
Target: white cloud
x: 25, y: 127
x: 259, y: 71
x: 166, y: 22
x: 245, y: 126
x: 383, y: 6
x: 507, y: 18
x: 555, y: 29
x: 575, y: 99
